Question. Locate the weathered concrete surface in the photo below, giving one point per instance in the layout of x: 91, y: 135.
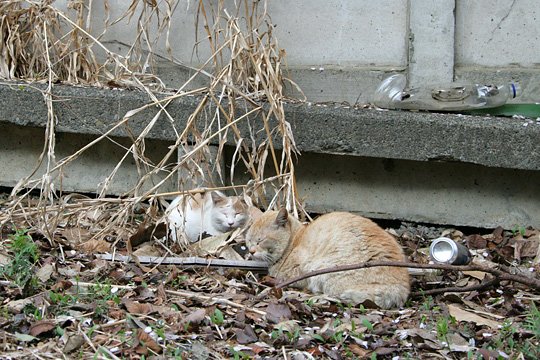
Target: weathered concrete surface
x: 497, y: 33
x: 21, y: 146
x: 351, y: 39
x: 431, y: 42
x: 438, y: 168
x: 431, y: 192
x: 492, y: 142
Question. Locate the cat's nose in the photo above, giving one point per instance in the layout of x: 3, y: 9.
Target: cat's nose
x: 231, y: 223
x: 252, y: 250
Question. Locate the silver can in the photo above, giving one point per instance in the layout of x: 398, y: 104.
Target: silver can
x: 444, y: 250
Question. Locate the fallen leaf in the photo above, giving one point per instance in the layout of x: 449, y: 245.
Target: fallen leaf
x: 146, y: 342
x: 17, y: 306
x: 211, y: 245
x: 95, y: 246
x: 75, y: 235
x: 385, y: 351
x: 498, y: 235
x: 74, y: 342
x: 146, y: 234
x: 488, y: 354
x: 195, y: 317
x: 530, y: 247
x: 41, y: 327
x: 135, y: 307
x: 291, y: 326
x: 24, y: 337
x: 277, y: 313
x: 463, y: 315
x: 476, y: 242
x: 480, y: 275
x: 246, y: 335
x: 148, y: 250
x: 359, y: 351
x: 4, y: 260
x: 44, y: 273
x: 62, y: 285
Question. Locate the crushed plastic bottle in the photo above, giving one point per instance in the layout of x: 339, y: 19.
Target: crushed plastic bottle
x: 392, y: 94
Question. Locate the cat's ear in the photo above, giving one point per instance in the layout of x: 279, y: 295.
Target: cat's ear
x: 216, y: 197
x: 282, y: 217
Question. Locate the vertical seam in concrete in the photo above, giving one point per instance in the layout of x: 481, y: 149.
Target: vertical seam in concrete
x: 409, y: 39
x: 455, y: 42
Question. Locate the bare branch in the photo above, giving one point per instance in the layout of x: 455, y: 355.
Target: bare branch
x: 499, y: 274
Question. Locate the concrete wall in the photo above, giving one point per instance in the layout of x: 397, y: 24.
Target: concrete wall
x: 339, y: 50
x: 438, y: 168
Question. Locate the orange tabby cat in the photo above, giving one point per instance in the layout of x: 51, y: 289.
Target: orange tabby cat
x: 338, y: 238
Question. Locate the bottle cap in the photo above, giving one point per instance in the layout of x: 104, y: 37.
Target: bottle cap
x: 516, y: 89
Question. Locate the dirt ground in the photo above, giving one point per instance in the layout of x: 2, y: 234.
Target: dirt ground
x: 61, y: 301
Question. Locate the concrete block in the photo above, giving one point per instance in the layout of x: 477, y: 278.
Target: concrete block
x: 431, y: 42
x: 432, y: 192
x: 497, y: 33
x: 21, y: 146
x: 418, y: 166
x: 335, y: 129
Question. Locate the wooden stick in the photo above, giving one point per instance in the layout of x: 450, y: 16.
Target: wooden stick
x: 190, y: 261
x: 501, y: 275
x: 478, y: 287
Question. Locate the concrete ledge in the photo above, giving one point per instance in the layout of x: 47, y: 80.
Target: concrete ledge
x: 416, y: 166
x: 420, y: 136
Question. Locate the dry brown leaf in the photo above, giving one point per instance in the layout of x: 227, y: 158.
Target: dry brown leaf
x: 277, y: 313
x: 95, y: 246
x: 73, y: 343
x: 246, y: 335
x: 146, y: 342
x: 61, y: 285
x: 480, y: 275
x: 530, y: 247
x: 463, y: 315
x: 148, y: 250
x: 75, y: 235
x: 41, y: 327
x: 147, y: 233
x: 135, y: 307
x: 44, y: 273
x: 17, y: 306
x: 195, y: 317
x: 476, y: 242
x: 359, y: 351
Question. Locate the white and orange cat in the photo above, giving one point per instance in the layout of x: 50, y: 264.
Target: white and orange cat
x: 211, y: 213
x: 292, y: 248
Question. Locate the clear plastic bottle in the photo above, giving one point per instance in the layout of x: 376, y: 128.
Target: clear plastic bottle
x: 391, y: 94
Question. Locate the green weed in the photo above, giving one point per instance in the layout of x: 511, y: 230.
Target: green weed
x: 217, y: 317
x: 21, y: 268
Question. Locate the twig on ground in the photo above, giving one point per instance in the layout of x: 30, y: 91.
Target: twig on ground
x: 499, y: 274
x: 214, y: 299
x: 188, y: 294
x: 478, y: 287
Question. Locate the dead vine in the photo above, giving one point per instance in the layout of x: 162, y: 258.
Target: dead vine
x: 500, y: 275
x: 41, y: 41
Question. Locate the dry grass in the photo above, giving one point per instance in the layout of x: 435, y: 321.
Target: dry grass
x: 43, y: 43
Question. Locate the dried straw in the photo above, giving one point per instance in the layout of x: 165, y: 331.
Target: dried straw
x: 41, y: 42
